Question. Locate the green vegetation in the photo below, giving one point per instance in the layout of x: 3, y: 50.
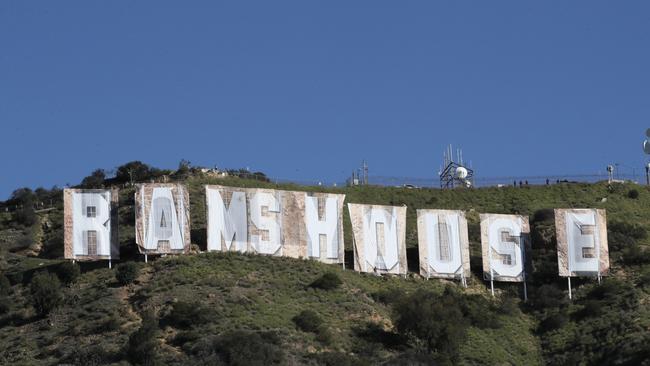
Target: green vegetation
x: 328, y: 281
x: 234, y: 309
x: 127, y: 273
x: 46, y: 294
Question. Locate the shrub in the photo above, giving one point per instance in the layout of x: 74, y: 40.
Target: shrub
x: 324, y: 335
x: 644, y: 278
x: 68, y: 272
x: 544, y: 215
x: 435, y: 320
x: 46, y: 294
x: 143, y: 346
x: 240, y: 348
x: 338, y: 359
x: 389, y: 296
x: 26, y: 216
x: 508, y: 306
x: 5, y: 286
x: 5, y: 304
x: 635, y: 254
x: 93, y: 355
x: 127, y: 273
x: 308, y: 321
x: 188, y: 314
x: 553, y: 321
x: 547, y: 296
x: 328, y: 281
x: 411, y: 358
x: 633, y: 194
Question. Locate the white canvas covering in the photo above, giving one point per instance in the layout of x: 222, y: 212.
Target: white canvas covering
x: 276, y: 222
x: 162, y: 218
x: 164, y: 224
x: 324, y: 234
x: 443, y: 244
x: 379, y: 238
x: 503, y: 242
x: 582, y: 242
x: 89, y: 231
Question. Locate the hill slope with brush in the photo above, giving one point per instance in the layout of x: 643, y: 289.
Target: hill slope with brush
x: 226, y: 308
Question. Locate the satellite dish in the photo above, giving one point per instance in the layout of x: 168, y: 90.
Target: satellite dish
x: 461, y: 172
x: 647, y: 132
x: 646, y: 146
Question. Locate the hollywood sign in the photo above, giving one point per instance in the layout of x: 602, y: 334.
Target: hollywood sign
x: 310, y: 225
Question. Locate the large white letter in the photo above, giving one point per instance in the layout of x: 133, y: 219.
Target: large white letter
x: 92, y: 224
x: 165, y: 230
x: 443, y: 242
x: 380, y: 231
x: 505, y: 247
x: 582, y: 237
x: 229, y: 224
x: 265, y: 214
x: 322, y: 235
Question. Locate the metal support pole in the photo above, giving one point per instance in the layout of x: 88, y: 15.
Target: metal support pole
x: 145, y: 258
x: 569, y: 281
x: 110, y: 264
x: 525, y: 292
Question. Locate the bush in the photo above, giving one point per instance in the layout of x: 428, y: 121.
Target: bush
x: 338, y: 359
x: 5, y: 304
x: 308, y: 321
x: 635, y: 254
x: 188, y: 314
x: 68, y: 272
x: 633, y: 194
x: 553, y: 321
x: 435, y: 320
x: 46, y: 294
x: 26, y: 216
x: 93, y: 355
x: 143, y: 346
x: 389, y: 296
x: 240, y: 348
x: 5, y: 286
x: 328, y: 281
x: 547, y: 297
x: 127, y: 273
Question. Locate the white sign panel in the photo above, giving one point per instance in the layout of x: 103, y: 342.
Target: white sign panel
x: 581, y: 242
x: 379, y: 238
x: 89, y: 229
x: 443, y: 244
x: 503, y: 243
x: 276, y: 222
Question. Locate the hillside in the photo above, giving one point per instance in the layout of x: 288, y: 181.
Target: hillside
x: 215, y: 308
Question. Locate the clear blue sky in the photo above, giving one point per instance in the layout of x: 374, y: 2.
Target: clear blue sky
x: 307, y: 89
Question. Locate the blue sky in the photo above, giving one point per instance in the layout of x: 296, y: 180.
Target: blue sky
x: 307, y: 89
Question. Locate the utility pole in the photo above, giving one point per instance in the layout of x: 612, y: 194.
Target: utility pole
x: 365, y: 173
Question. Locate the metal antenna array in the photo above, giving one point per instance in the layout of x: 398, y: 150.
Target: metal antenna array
x: 360, y: 175
x: 453, y: 173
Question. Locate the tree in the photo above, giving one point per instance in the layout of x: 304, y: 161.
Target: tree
x: 143, y: 346
x: 68, y: 272
x: 127, y: 273
x: 134, y: 171
x: 436, y: 320
x: 46, y: 293
x: 94, y: 180
x: 184, y: 167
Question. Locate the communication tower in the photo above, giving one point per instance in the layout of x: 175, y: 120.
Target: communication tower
x: 454, y: 172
